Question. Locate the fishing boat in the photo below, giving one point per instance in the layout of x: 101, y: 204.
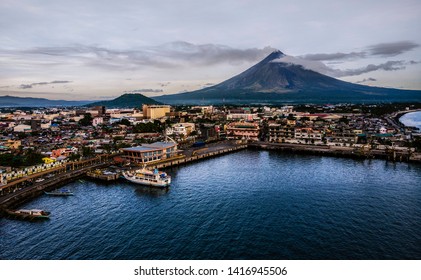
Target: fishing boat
x: 31, y: 214
x: 147, y: 177
x: 62, y: 192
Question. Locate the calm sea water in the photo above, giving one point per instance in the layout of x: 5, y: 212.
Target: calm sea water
x: 246, y: 205
x: 412, y: 119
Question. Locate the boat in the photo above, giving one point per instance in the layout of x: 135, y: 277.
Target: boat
x: 32, y: 214
x: 62, y: 192
x: 39, y: 180
x: 147, y: 177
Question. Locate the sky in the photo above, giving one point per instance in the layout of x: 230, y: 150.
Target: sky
x: 96, y: 50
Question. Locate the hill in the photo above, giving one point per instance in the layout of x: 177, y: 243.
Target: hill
x: 13, y: 101
x: 126, y: 101
x: 275, y: 80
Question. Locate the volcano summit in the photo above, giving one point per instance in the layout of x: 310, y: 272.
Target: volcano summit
x: 277, y: 79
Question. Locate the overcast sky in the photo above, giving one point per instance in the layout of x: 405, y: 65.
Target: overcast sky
x: 81, y: 49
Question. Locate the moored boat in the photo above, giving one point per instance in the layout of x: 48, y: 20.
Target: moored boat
x: 62, y: 192
x: 31, y: 214
x: 147, y: 177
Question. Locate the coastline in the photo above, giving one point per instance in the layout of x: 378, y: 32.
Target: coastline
x: 398, y: 115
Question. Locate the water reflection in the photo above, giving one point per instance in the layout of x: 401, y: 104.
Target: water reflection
x: 150, y: 192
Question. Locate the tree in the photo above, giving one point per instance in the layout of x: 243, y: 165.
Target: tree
x: 74, y: 157
x: 125, y: 122
x: 87, y: 151
x: 33, y: 158
x: 86, y: 120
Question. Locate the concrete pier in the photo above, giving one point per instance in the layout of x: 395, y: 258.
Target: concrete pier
x: 350, y: 152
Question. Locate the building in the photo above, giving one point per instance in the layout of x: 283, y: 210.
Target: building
x: 22, y: 128
x: 240, y: 116
x: 308, y: 135
x: 155, y: 111
x: 246, y: 130
x: 151, y: 152
x: 97, y: 121
x: 184, y: 129
x: 280, y: 133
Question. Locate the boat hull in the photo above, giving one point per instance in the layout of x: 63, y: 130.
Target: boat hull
x: 148, y: 183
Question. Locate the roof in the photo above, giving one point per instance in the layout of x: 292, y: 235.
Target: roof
x: 151, y: 147
x: 138, y: 149
x: 160, y: 145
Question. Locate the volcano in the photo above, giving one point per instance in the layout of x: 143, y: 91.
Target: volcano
x: 275, y: 80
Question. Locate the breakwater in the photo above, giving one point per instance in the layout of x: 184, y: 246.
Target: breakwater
x: 402, y: 155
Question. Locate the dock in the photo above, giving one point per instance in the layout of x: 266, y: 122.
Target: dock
x: 195, y: 157
x: 405, y: 155
x: 99, y: 174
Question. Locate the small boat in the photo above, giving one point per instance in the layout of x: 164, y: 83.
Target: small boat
x: 39, y: 180
x: 62, y: 192
x: 32, y: 214
x: 147, y: 177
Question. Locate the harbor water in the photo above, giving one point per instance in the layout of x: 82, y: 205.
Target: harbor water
x: 245, y: 205
x: 412, y: 119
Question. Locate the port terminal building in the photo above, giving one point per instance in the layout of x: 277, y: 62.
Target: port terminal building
x: 150, y: 152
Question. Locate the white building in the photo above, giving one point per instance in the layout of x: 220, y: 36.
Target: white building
x: 183, y: 129
x: 22, y: 128
x: 97, y: 121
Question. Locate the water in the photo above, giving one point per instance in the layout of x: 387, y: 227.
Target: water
x: 245, y: 205
x: 412, y: 119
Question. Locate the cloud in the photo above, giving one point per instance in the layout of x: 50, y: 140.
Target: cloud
x: 392, y: 49
x: 164, y: 84
x: 382, y: 49
x: 170, y: 55
x: 320, y: 67
x: 26, y: 86
x: 334, y: 56
x: 388, y: 66
x: 366, y: 80
x: 145, y: 90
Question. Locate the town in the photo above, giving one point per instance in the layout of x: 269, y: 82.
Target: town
x: 33, y: 140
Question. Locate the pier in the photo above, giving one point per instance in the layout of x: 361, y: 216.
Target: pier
x: 402, y: 155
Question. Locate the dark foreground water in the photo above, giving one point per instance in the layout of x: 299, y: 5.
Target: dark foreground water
x: 246, y: 205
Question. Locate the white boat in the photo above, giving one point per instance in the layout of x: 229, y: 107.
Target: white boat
x: 33, y: 213
x: 147, y: 177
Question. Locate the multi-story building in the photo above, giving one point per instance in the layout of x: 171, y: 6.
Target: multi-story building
x: 183, y: 129
x: 150, y: 152
x: 308, y: 135
x: 246, y: 130
x: 155, y: 111
x: 280, y: 133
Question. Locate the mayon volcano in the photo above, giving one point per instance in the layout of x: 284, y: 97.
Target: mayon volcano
x: 279, y: 79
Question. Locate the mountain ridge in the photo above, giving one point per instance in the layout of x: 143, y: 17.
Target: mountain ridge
x: 16, y: 101
x: 274, y: 81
